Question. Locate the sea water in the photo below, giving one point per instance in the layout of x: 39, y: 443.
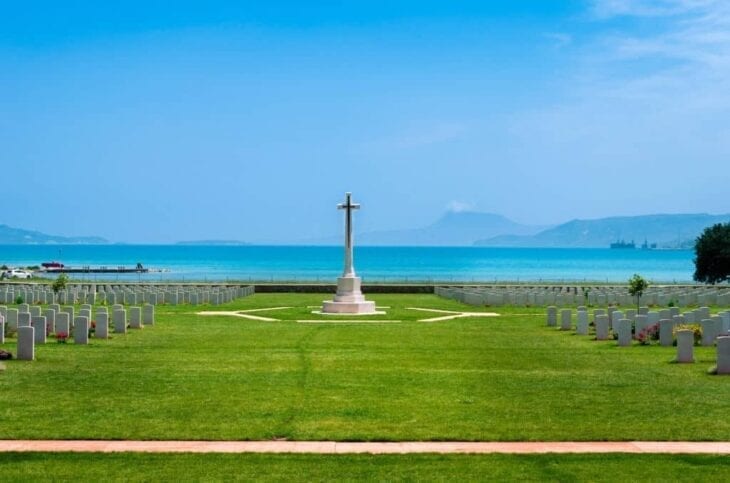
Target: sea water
x: 324, y: 264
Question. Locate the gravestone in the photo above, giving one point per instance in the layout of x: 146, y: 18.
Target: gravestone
x: 685, y: 345
x: 50, y: 316
x: 26, y: 343
x: 81, y: 330
x: 70, y: 312
x: 119, y: 317
x: 2, y: 329
x: 641, y: 324
x: 566, y: 319
x: 12, y: 319
x: 602, y: 327
x: 39, y: 327
x: 652, y: 318
x: 666, y: 329
x: 149, y: 315
x: 624, y: 332
x: 709, y: 331
x: 35, y: 311
x: 23, y: 319
x: 135, y: 318
x: 552, y: 316
x: 581, y: 327
x: 102, y: 326
x: 723, y: 355
x: 63, y: 325
x: 725, y: 326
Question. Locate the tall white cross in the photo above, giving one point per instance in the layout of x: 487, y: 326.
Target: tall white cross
x: 348, y: 206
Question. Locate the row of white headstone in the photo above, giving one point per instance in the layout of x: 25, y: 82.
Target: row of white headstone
x: 600, y: 296
x: 631, y: 323
x: 124, y: 294
x: 33, y: 328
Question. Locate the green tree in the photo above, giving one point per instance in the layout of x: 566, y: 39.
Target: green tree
x: 637, y: 285
x: 712, y: 254
x: 60, y: 283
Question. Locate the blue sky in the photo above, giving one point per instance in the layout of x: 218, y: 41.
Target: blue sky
x: 163, y: 121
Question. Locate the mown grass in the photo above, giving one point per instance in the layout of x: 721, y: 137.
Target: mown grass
x: 422, y: 467
x: 508, y: 378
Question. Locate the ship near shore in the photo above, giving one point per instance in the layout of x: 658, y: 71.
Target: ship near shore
x: 621, y: 244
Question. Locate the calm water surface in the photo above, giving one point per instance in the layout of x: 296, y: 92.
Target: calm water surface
x: 299, y: 263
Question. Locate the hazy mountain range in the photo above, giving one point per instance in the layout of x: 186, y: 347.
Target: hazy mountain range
x: 667, y: 231
x: 18, y: 236
x: 452, y: 229
x: 481, y: 229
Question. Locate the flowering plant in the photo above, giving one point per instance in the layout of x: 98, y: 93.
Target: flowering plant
x: 648, y: 334
x: 61, y: 337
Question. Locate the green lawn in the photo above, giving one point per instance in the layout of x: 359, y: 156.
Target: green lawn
x: 211, y: 467
x: 506, y: 378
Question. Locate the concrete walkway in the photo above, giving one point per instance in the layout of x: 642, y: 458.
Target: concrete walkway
x: 332, y: 447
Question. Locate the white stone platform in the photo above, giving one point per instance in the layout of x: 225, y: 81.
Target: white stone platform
x: 349, y: 299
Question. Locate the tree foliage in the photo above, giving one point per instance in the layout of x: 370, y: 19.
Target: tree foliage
x: 60, y: 283
x: 637, y: 285
x: 712, y: 254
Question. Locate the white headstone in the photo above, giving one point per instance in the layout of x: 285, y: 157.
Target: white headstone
x: 149, y: 314
x: 39, y: 326
x: 119, y: 317
x: 63, y: 326
x: 26, y: 343
x: 685, y: 345
x: 601, y: 327
x: 666, y: 335
x: 723, y: 355
x: 566, y: 319
x: 552, y: 316
x: 624, y: 332
x: 581, y: 327
x: 135, y: 318
x: 81, y: 330
x: 101, y: 331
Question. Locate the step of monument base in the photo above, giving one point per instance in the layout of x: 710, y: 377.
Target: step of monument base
x: 364, y: 307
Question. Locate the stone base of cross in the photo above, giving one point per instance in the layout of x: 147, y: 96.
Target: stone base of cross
x: 348, y: 299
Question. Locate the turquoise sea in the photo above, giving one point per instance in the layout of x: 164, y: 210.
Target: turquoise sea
x: 309, y: 263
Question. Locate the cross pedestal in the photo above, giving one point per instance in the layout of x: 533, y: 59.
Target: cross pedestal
x: 349, y: 298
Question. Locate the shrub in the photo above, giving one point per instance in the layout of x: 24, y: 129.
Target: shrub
x: 19, y: 300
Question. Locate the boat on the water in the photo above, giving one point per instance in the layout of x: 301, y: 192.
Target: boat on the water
x: 52, y: 265
x: 620, y: 244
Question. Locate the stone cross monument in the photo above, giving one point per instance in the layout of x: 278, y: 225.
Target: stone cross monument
x: 349, y: 298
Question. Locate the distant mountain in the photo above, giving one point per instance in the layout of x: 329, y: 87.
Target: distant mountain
x: 461, y: 228
x: 17, y: 236
x: 212, y: 242
x: 667, y: 231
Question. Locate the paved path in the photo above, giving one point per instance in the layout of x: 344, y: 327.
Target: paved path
x: 332, y: 447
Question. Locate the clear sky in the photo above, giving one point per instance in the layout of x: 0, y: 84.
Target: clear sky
x: 159, y: 121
